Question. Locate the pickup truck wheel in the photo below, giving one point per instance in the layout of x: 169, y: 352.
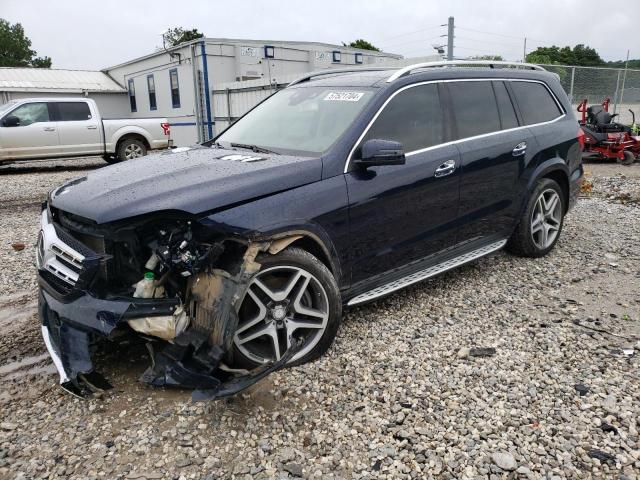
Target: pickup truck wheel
x: 130, y: 149
x: 293, y: 295
x: 541, y: 222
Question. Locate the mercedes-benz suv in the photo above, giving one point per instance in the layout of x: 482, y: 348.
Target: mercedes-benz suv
x: 337, y: 190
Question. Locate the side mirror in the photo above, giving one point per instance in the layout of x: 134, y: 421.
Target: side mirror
x: 376, y: 152
x: 11, y: 121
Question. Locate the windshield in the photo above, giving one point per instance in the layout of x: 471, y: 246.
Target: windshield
x: 305, y: 121
x: 7, y: 106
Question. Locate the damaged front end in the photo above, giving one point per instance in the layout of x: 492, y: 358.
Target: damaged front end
x: 169, y: 279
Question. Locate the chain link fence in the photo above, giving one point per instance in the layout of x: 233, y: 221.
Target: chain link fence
x: 621, y: 86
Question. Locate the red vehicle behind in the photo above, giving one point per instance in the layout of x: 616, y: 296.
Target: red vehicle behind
x: 604, y: 138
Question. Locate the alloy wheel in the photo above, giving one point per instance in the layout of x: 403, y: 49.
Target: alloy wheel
x: 132, y: 151
x: 546, y: 219
x: 280, y: 303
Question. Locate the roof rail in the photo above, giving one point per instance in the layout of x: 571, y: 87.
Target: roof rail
x: 309, y: 76
x: 456, y: 63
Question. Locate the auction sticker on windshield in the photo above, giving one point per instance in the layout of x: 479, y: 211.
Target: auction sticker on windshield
x: 344, y: 96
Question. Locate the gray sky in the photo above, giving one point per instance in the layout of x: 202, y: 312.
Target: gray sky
x: 82, y: 34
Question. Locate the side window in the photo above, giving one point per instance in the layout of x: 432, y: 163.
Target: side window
x: 73, y: 111
x: 151, y: 86
x: 474, y: 108
x: 31, y: 113
x: 175, y: 88
x: 413, y: 117
x: 508, y: 117
x: 535, y: 102
x: 132, y: 95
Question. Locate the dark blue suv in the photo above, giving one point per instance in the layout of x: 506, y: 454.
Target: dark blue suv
x: 338, y: 190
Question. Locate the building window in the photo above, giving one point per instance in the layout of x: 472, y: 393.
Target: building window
x: 269, y: 51
x: 358, y: 58
x: 151, y: 86
x: 175, y: 88
x: 132, y: 95
x: 336, y: 56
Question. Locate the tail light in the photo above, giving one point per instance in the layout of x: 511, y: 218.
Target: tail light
x: 581, y: 138
x: 166, y: 128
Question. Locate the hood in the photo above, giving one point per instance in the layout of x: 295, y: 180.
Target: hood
x: 193, y: 180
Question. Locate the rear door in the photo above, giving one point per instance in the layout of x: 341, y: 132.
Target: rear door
x: 35, y: 136
x: 400, y: 214
x: 78, y: 128
x: 494, y: 151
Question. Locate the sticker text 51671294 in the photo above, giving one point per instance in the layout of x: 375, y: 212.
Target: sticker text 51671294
x: 344, y: 96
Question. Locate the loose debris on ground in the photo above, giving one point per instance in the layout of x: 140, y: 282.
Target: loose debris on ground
x: 554, y: 392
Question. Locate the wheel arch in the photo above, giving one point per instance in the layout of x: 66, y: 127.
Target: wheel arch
x: 556, y: 169
x: 134, y: 136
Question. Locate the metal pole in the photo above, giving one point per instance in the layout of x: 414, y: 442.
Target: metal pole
x: 573, y: 77
x: 229, y: 106
x: 624, y: 78
x: 196, y: 92
x: 450, y: 39
x: 524, y: 50
x: 615, y: 95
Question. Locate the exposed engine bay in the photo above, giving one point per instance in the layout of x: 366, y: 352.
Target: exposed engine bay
x: 170, y: 280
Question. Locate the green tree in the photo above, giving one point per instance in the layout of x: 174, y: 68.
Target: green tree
x: 362, y: 44
x: 15, y: 48
x: 580, y: 55
x: 635, y: 64
x: 496, y: 58
x: 176, y: 36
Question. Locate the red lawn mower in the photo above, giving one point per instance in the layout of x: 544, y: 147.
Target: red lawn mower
x: 606, y: 139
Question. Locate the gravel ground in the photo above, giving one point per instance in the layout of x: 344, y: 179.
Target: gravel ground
x: 405, y: 392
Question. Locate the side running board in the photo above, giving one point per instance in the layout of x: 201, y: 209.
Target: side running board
x: 426, y: 273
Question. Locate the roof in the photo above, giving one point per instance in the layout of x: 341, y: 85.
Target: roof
x: 275, y: 43
x: 56, y: 81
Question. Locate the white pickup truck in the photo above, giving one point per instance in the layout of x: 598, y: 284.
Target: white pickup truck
x: 33, y: 128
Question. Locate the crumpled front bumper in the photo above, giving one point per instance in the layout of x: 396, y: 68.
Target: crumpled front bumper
x: 71, y: 316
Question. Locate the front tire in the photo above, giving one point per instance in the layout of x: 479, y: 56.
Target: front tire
x: 293, y: 294
x: 130, y: 149
x: 628, y: 159
x: 541, y: 223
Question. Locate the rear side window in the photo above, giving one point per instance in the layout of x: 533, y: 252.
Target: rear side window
x: 535, y: 102
x: 73, y: 111
x: 505, y: 107
x: 474, y: 108
x: 413, y: 117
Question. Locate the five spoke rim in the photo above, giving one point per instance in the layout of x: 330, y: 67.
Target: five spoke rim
x: 132, y: 151
x: 279, y: 303
x: 546, y: 219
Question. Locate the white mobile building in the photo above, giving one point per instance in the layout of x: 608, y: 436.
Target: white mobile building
x: 44, y: 82
x: 180, y: 83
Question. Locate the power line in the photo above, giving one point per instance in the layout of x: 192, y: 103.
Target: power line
x: 411, y: 33
x: 491, y: 43
x: 411, y: 41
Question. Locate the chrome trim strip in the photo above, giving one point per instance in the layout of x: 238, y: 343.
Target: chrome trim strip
x: 426, y: 273
x: 465, y: 63
x: 453, y: 142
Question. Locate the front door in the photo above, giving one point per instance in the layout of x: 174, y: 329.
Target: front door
x: 35, y: 135
x: 400, y: 214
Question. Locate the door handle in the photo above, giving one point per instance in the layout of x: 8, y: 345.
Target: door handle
x: 49, y: 129
x: 447, y: 168
x: 519, y: 149
x: 92, y: 127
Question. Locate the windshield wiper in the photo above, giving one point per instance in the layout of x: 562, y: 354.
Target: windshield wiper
x: 253, y: 148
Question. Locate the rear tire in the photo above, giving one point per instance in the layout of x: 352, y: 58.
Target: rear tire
x: 541, y: 223
x: 130, y: 149
x: 628, y: 158
x: 314, y: 299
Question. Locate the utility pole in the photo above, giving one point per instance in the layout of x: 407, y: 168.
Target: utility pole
x: 450, y: 39
x: 524, y: 52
